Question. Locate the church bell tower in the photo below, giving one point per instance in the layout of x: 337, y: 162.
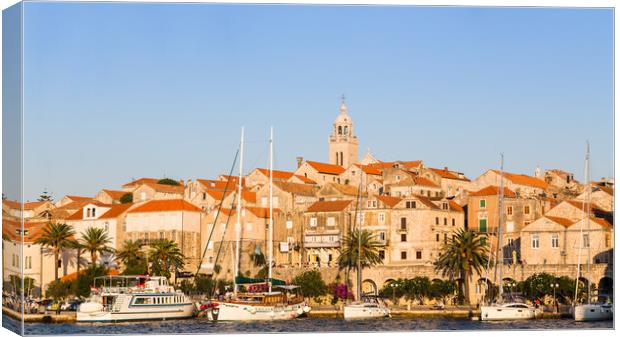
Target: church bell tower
x: 343, y: 143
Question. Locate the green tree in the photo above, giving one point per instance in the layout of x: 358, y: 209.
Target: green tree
x: 80, y: 287
x: 126, y: 198
x: 45, y: 196
x: 131, y: 253
x: 311, y: 284
x: 394, y: 290
x: 464, y: 254
x: 56, y: 237
x: 16, y: 283
x: 440, y: 289
x: 58, y: 291
x: 539, y: 285
x: 364, y: 242
x: 96, y: 241
x: 417, y: 288
x: 168, y: 181
x: 165, y: 255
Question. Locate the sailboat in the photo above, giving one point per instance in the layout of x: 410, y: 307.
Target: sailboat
x: 500, y: 309
x: 254, y: 306
x: 588, y: 311
x: 365, y: 306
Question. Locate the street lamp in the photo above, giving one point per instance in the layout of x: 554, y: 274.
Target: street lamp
x: 555, y: 286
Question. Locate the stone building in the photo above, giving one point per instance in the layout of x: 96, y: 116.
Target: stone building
x: 343, y: 143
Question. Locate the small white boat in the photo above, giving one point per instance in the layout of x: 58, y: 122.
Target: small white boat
x: 507, y: 311
x: 132, y: 298
x: 593, y: 312
x: 370, y: 308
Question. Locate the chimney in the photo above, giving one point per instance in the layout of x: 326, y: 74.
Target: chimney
x: 445, y: 168
x: 300, y: 161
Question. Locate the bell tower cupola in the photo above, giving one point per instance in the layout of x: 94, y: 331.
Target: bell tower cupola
x: 343, y: 144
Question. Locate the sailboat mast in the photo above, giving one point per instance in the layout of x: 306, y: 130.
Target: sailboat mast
x: 239, y: 212
x: 588, y: 191
x: 359, y: 240
x: 586, y: 211
x: 270, y: 207
x: 500, y: 253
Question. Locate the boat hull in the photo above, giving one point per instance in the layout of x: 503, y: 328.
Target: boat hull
x: 228, y: 311
x: 502, y: 313
x: 593, y: 312
x: 361, y: 312
x: 177, y: 312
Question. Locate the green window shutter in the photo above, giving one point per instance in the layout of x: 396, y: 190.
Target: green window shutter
x: 482, y: 225
x: 483, y: 203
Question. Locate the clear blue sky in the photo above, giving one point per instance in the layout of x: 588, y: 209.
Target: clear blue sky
x: 117, y: 91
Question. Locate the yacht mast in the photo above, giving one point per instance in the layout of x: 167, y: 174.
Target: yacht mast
x: 359, y: 239
x: 500, y: 253
x: 588, y: 191
x: 270, y: 207
x: 239, y: 212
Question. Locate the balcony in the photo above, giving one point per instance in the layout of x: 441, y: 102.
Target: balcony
x: 402, y: 228
x: 382, y: 243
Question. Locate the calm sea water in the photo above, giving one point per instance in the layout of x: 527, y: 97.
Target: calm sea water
x: 197, y: 326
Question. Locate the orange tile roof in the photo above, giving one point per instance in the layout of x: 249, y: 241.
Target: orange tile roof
x: 454, y: 206
x: 607, y: 190
x: 27, y: 206
x: 78, y: 198
x: 389, y: 164
x: 277, y: 174
x: 329, y: 206
x: 34, y: 228
x: 217, y: 195
x: 580, y: 205
x: 306, y: 180
x: 115, y: 211
x: 141, y: 181
x: 369, y: 169
x: 522, y: 179
x: 389, y: 200
x: 114, y: 194
x: 166, y: 188
x: 261, y: 212
x: 166, y: 205
x: 604, y: 223
x: 447, y: 174
x: 248, y: 195
x: 344, y: 189
x: 560, y: 221
x: 427, y: 202
x: 294, y: 188
x: 326, y: 168
x: 493, y: 190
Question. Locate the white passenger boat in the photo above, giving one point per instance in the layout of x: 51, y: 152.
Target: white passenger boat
x: 130, y: 298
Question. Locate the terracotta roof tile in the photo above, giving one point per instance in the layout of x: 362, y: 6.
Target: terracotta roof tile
x: 299, y: 189
x: 329, y: 206
x: 282, y: 175
x: 447, y: 174
x: 560, y: 221
x: 427, y: 202
x: 368, y: 169
x: 326, y: 168
x: 164, y: 188
x: 455, y: 207
x: 27, y: 206
x: 217, y: 184
x: 115, y: 211
x: 493, y: 190
x: 604, y: 223
x: 522, y: 179
x: 166, y: 205
x: 261, y: 212
x: 141, y: 181
x: 389, y: 200
x: 305, y: 180
x: 114, y: 194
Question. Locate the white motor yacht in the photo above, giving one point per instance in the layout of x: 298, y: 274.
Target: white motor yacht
x: 131, y: 298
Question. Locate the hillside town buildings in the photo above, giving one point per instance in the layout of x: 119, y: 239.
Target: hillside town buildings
x: 411, y: 209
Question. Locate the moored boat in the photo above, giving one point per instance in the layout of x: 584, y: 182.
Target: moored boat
x: 132, y: 298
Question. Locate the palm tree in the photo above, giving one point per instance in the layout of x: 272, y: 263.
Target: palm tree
x: 130, y: 253
x: 96, y: 240
x: 56, y: 237
x: 368, y: 248
x: 165, y: 255
x: 465, y: 253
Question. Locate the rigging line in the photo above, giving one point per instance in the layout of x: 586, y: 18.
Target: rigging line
x: 219, y: 249
x: 217, y: 215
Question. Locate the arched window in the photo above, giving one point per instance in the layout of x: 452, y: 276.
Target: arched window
x: 340, y: 130
x: 346, y: 130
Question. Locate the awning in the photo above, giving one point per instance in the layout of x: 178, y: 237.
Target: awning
x: 249, y: 280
